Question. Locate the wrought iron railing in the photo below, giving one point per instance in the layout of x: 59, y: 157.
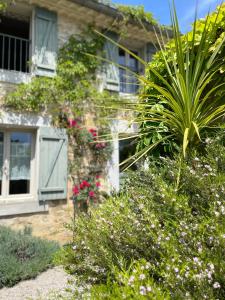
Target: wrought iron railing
x: 14, y: 53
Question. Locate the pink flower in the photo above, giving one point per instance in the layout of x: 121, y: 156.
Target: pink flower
x: 98, y: 176
x: 98, y: 184
x: 72, y: 123
x: 91, y: 194
x: 93, y: 132
x: 84, y: 184
x: 100, y: 145
x: 76, y: 190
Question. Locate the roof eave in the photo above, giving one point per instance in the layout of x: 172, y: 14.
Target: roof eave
x: 114, y: 13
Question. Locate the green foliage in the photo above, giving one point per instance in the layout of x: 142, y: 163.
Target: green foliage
x: 183, y: 93
x: 134, y: 283
x: 178, y: 230
x: 3, y: 5
x: 69, y: 96
x: 73, y: 86
x: 136, y: 13
x: 23, y: 256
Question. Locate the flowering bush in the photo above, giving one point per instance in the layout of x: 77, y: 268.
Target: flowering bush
x: 87, y: 191
x: 180, y: 233
x: 90, y: 158
x: 134, y: 283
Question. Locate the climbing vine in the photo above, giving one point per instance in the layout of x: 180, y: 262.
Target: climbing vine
x: 73, y: 100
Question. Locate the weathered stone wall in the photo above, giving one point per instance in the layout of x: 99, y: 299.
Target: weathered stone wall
x: 5, y: 88
x: 49, y: 225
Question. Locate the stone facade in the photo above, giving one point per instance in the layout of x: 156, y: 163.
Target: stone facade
x: 48, y: 225
x: 71, y: 19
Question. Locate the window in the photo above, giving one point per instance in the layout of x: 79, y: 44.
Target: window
x: 14, y: 44
x: 16, y: 162
x: 128, y: 81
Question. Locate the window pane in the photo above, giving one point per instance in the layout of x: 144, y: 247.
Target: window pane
x: 20, y: 161
x: 128, y: 81
x: 122, y: 60
x: 133, y: 63
x: 122, y: 81
x: 1, y: 158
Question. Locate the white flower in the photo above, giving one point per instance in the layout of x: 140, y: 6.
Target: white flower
x: 142, y: 290
x: 131, y: 280
x: 74, y: 247
x: 142, y: 277
x: 216, y: 285
x: 149, y: 289
x: 176, y: 270
x: 217, y: 213
x: 200, y: 249
x: 195, y: 259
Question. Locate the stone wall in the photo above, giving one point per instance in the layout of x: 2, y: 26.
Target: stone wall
x: 5, y: 88
x: 49, y: 225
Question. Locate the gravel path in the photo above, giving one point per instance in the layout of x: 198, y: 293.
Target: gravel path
x: 50, y: 281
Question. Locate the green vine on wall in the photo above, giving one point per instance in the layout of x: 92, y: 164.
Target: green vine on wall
x: 67, y: 98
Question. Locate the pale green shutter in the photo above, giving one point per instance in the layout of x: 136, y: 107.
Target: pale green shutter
x: 112, y: 70
x: 53, y: 164
x: 150, y: 51
x: 45, y: 42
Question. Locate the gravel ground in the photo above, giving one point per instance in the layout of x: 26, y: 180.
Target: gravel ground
x: 51, y: 281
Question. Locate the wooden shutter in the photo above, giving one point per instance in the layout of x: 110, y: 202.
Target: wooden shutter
x: 53, y: 164
x: 150, y: 51
x: 45, y: 41
x: 112, y: 70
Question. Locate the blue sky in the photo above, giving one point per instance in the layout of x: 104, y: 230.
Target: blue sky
x: 185, y: 9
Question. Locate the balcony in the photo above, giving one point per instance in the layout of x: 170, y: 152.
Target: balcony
x: 14, y: 50
x: 14, y: 53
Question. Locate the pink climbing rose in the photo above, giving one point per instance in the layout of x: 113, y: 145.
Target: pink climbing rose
x: 91, y: 194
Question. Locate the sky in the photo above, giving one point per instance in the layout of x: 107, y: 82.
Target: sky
x: 185, y: 9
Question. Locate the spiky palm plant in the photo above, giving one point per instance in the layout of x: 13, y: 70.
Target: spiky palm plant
x: 184, y: 102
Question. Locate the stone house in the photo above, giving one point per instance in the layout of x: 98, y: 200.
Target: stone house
x: 33, y: 154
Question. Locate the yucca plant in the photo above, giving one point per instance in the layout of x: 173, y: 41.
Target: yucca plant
x: 187, y: 104
x: 183, y: 105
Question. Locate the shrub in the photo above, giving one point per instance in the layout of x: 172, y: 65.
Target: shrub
x: 178, y: 230
x: 134, y: 283
x: 23, y: 256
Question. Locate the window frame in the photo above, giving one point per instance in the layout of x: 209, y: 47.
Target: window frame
x: 127, y: 73
x: 5, y: 197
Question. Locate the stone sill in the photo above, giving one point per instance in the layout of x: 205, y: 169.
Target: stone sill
x: 14, y: 209
x: 14, y: 77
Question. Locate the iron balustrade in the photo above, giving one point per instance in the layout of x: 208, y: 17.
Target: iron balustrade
x: 14, y: 53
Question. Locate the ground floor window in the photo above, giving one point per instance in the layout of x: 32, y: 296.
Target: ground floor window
x: 16, y: 162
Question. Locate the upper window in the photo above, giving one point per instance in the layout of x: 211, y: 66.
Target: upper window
x: 14, y: 44
x: 128, y: 81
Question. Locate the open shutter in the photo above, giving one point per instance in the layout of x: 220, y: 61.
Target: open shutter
x: 45, y: 41
x: 112, y: 70
x: 53, y: 164
x: 150, y: 51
